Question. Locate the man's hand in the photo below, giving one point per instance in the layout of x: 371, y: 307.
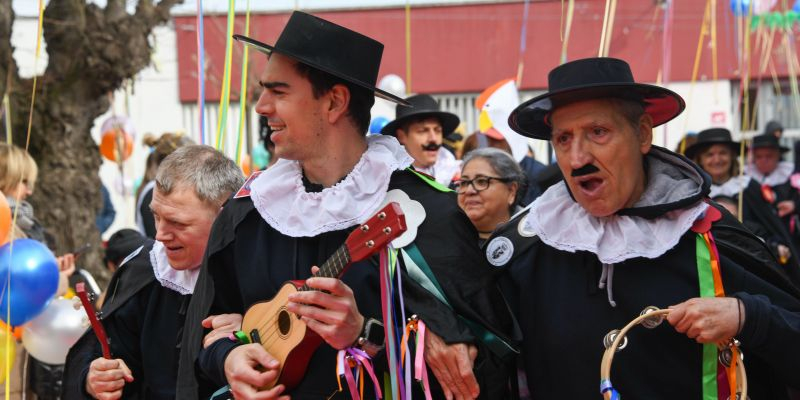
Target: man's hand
x: 248, y: 368
x: 330, y: 311
x: 708, y: 320
x: 452, y: 366
x: 785, y: 208
x: 222, y: 326
x: 106, y: 378
x: 66, y: 267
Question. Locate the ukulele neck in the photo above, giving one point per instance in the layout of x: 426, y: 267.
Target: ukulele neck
x: 334, y: 267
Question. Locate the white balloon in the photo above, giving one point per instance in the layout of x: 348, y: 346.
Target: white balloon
x: 118, y: 122
x: 393, y: 84
x: 49, y: 336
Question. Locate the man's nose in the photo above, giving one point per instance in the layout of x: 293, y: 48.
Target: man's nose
x: 579, y: 154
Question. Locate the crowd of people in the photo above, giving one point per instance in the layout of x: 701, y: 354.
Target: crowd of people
x: 519, y: 272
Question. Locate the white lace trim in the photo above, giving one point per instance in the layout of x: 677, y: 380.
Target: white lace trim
x: 179, y: 281
x: 280, y: 197
x: 563, y: 224
x: 777, y: 177
x: 445, y: 168
x: 731, y: 188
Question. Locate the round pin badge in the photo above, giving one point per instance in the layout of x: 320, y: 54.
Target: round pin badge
x: 499, y: 251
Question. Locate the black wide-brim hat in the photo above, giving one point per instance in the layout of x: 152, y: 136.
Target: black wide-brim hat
x: 330, y: 48
x: 422, y: 106
x: 589, y: 79
x: 768, y: 141
x: 707, y: 138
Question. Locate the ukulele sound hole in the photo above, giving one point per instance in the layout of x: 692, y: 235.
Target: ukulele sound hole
x: 284, y: 322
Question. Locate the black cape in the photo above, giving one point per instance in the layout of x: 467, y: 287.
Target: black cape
x: 144, y: 323
x: 564, y: 316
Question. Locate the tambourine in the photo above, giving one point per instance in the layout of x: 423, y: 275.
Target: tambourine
x: 650, y: 318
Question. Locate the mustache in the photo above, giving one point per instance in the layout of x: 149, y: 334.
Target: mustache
x: 431, y: 146
x: 584, y: 170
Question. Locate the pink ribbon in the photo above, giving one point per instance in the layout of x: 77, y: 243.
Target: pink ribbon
x: 362, y: 359
x: 420, y: 371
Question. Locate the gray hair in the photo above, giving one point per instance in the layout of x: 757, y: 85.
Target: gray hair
x: 505, y: 166
x: 213, y: 176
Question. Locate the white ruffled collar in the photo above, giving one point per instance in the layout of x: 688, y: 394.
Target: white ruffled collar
x: 731, y: 188
x: 612, y: 239
x: 777, y: 177
x: 280, y: 197
x: 179, y: 281
x: 445, y: 168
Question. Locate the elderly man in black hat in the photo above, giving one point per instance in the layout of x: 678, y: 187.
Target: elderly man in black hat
x: 421, y: 129
x: 630, y: 227
x: 319, y: 85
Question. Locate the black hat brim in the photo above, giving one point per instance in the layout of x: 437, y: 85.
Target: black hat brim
x: 530, y: 118
x: 783, y: 149
x: 448, y: 120
x: 692, y: 151
x: 268, y: 49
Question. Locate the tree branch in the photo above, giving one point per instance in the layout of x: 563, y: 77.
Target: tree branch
x: 64, y: 27
x: 8, y: 66
x: 115, y: 10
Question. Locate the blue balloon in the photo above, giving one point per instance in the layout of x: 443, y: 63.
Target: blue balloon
x: 740, y: 7
x: 34, y: 280
x: 377, y: 124
x: 796, y: 7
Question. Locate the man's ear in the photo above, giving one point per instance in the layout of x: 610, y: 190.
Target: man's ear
x: 339, y: 102
x: 401, y: 136
x: 645, y: 133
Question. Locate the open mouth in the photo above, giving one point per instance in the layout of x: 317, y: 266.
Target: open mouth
x: 590, y: 186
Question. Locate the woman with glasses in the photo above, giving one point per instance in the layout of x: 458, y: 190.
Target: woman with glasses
x: 490, y: 188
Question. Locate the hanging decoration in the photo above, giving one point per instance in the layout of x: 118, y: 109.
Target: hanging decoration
x: 243, y: 91
x: 225, y: 95
x: 201, y: 75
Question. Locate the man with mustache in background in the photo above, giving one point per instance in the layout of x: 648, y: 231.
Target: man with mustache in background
x: 421, y: 128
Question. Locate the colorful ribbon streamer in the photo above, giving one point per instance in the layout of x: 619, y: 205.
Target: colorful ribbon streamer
x: 201, y: 74
x: 354, y: 358
x: 243, y: 91
x: 225, y: 95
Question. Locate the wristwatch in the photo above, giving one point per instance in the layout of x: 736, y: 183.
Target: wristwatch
x: 371, y: 339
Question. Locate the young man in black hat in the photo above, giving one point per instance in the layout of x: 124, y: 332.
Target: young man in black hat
x: 319, y: 85
x: 629, y: 228
x: 421, y: 128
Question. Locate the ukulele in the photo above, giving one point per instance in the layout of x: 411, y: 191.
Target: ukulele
x: 282, y: 333
x: 94, y: 318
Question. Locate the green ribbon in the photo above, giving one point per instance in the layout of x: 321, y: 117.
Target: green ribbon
x: 705, y: 278
x: 419, y: 270
x: 425, y: 178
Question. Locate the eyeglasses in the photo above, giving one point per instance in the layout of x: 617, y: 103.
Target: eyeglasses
x: 479, y: 183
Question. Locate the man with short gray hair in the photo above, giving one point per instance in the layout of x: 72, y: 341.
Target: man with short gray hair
x: 145, y: 309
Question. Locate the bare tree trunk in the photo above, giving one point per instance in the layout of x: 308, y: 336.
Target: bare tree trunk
x: 91, y: 52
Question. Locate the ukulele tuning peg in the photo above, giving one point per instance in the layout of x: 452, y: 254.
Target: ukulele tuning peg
x: 99, y: 315
x: 387, y: 230
x: 92, y: 297
x: 370, y: 243
x: 364, y: 228
x: 382, y: 216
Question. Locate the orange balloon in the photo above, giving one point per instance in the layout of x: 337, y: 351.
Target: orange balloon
x: 246, y: 168
x: 5, y: 220
x: 116, y: 145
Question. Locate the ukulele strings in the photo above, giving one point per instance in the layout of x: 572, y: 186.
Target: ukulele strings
x: 269, y: 327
